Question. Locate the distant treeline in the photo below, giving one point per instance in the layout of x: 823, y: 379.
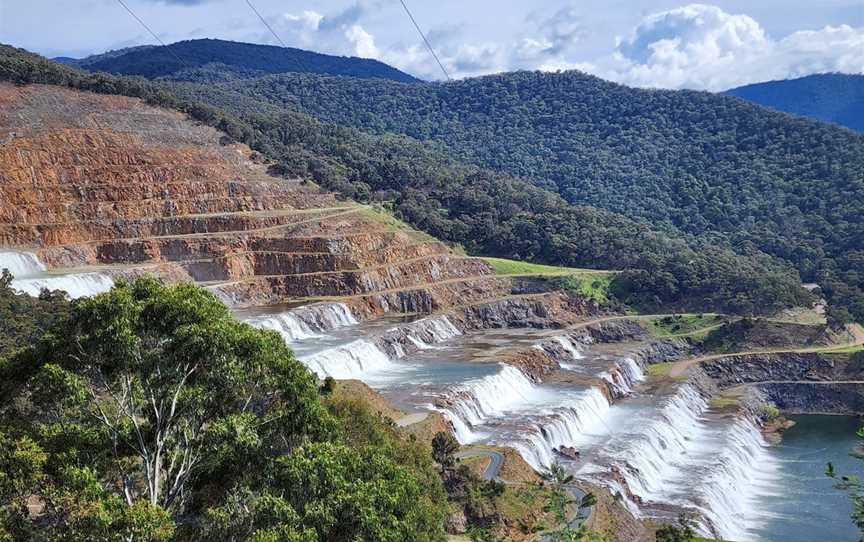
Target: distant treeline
x: 485, y: 211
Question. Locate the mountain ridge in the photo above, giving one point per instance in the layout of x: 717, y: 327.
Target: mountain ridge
x: 248, y: 58
x: 837, y: 98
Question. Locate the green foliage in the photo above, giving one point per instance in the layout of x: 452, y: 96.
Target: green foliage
x: 684, y: 324
x: 218, y: 60
x: 444, y: 446
x: 595, y: 287
x: 683, y: 532
x: 150, y: 413
x: 24, y: 318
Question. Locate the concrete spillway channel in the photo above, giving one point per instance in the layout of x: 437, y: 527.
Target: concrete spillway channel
x: 661, y: 452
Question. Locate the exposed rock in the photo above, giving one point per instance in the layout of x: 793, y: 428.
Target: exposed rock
x: 815, y: 398
x: 569, y: 452
x: 749, y: 368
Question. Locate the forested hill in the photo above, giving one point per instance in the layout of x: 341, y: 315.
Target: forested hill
x: 832, y: 97
x: 487, y: 212
x: 708, y: 165
x: 221, y: 58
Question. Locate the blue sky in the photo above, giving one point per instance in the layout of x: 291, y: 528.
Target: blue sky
x: 651, y: 43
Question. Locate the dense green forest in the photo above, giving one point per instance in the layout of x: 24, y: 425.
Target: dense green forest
x: 487, y: 212
x: 238, y: 59
x: 832, y: 97
x: 693, y: 163
x: 149, y: 413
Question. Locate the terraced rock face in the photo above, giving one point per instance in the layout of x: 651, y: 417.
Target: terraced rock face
x: 94, y: 181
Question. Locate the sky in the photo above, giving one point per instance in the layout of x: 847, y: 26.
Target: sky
x: 646, y: 43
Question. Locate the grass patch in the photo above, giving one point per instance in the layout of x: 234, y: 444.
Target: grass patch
x: 523, y: 506
x: 660, y: 370
x: 503, y: 266
x: 846, y: 350
x: 722, y: 401
x: 383, y: 215
x: 679, y: 325
x: 591, y: 283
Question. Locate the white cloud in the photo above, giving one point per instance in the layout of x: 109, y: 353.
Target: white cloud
x: 309, y: 19
x: 703, y: 47
x: 364, y: 42
x: 695, y: 46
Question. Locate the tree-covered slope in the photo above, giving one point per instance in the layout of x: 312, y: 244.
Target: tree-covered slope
x: 707, y: 165
x: 832, y: 97
x: 235, y: 58
x: 487, y: 212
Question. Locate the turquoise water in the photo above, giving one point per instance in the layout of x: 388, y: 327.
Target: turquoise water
x: 807, y: 507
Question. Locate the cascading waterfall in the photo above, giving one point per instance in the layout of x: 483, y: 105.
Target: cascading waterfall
x: 552, y: 418
x: 357, y: 359
x: 31, y: 277
x: 743, y: 470
x: 363, y: 358
x: 306, y: 322
x: 476, y: 401
x: 679, y: 457
x: 628, y: 373
x: 572, y: 348
x: 651, y: 459
x: 568, y: 426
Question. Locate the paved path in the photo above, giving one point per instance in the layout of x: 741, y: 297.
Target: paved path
x: 494, y: 467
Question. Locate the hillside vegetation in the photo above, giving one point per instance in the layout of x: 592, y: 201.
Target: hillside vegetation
x: 706, y: 166
x: 832, y: 97
x: 487, y: 212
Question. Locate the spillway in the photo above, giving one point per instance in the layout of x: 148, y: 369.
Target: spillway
x: 657, y: 451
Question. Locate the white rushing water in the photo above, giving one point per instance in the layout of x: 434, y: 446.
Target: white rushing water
x: 740, y: 473
x: 585, y: 415
x: 476, y: 401
x: 625, y: 378
x: 358, y: 359
x: 31, y: 277
x: 306, y: 322
x: 571, y: 347
x: 678, y: 456
x: 364, y: 359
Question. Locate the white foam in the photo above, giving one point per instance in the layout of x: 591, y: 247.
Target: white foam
x: 359, y: 359
x: 306, y: 322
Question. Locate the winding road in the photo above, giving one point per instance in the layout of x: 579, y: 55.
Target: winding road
x: 496, y: 460
x: 679, y: 367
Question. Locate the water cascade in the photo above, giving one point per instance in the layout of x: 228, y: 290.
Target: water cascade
x: 569, y: 426
x: 31, y: 277
x: 679, y: 456
x: 624, y: 378
x: 371, y: 359
x: 306, y: 322
x: 743, y: 470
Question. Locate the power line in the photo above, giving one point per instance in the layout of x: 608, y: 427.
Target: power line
x: 147, y: 28
x: 270, y: 28
x: 428, y: 45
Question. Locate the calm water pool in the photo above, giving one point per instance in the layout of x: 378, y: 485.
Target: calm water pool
x: 807, y: 507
